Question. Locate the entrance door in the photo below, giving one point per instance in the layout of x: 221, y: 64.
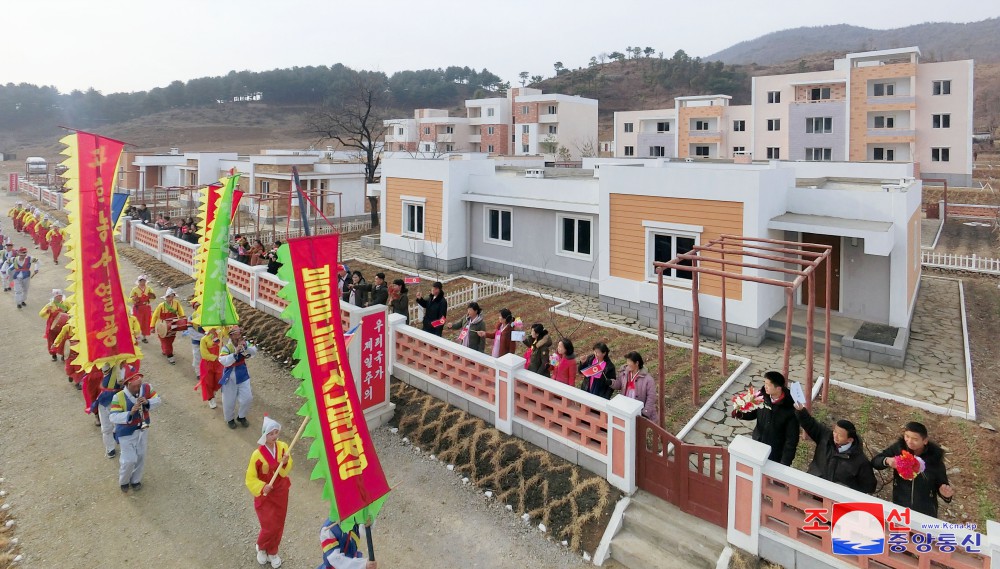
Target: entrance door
x: 834, y: 242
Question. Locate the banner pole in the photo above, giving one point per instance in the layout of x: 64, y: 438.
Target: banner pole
x: 298, y: 434
x: 368, y: 538
x: 302, y: 202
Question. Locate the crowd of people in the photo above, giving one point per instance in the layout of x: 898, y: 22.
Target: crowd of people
x: 840, y: 456
x: 123, y: 403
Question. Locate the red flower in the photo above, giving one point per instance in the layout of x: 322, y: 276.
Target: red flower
x: 908, y: 466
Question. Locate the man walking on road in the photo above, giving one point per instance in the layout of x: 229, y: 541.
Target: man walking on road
x: 129, y: 411
x: 22, y: 269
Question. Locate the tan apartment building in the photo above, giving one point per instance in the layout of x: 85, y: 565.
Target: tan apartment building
x: 526, y: 122
x: 878, y: 106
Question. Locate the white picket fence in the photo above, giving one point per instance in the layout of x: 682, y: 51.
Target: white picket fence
x: 475, y: 293
x: 973, y: 263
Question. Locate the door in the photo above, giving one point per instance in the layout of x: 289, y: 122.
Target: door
x: 834, y: 242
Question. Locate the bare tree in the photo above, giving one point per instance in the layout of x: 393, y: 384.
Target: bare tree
x: 586, y: 148
x: 355, y: 120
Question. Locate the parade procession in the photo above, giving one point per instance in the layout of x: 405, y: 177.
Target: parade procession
x: 92, y: 328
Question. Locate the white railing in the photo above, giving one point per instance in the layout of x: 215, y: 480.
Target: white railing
x: 475, y: 293
x: 973, y: 263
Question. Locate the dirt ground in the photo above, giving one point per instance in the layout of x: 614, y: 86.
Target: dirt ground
x: 194, y: 510
x: 968, y: 237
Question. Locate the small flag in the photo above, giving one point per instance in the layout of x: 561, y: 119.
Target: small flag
x: 595, y: 369
x: 349, y: 335
x: 439, y: 322
x: 411, y: 280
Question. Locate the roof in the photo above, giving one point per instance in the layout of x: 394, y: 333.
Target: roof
x: 878, y: 235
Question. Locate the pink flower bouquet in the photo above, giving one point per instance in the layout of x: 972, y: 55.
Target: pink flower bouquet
x: 748, y: 400
x: 909, y: 466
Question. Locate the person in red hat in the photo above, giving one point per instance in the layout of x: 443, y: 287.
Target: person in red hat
x: 23, y: 268
x: 129, y: 411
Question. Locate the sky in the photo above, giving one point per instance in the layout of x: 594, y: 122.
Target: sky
x: 135, y: 45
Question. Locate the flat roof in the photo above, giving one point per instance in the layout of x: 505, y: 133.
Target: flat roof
x: 878, y: 235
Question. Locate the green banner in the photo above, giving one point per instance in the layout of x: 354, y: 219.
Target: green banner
x: 217, y: 303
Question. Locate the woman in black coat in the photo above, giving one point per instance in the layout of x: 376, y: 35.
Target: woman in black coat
x: 600, y: 384
x: 540, y: 350
x: 777, y: 426
x: 840, y: 455
x: 921, y: 493
x: 435, y: 310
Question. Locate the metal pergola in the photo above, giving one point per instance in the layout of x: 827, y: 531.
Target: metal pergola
x: 805, y: 257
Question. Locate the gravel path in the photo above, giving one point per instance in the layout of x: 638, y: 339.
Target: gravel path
x: 194, y: 510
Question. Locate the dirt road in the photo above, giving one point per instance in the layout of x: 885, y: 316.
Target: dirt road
x: 193, y: 509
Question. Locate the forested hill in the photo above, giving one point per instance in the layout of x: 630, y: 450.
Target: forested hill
x: 938, y: 41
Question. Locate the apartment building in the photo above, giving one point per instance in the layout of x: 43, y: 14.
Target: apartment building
x: 526, y: 122
x: 877, y: 106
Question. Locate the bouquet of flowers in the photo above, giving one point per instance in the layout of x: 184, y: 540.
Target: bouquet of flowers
x: 909, y: 466
x: 518, y: 324
x: 748, y: 400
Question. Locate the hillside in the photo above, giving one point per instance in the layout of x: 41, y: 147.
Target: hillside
x: 938, y: 41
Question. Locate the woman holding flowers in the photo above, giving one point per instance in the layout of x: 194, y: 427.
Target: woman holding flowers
x: 774, y: 410
x: 919, y: 475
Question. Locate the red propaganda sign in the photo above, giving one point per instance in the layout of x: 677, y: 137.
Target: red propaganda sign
x: 373, y: 360
x: 13, y: 183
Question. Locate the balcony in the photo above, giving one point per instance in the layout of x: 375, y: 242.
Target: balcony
x: 476, y: 120
x: 704, y: 133
x: 475, y: 138
x: 548, y: 118
x: 894, y: 100
x: 893, y: 132
x: 445, y: 137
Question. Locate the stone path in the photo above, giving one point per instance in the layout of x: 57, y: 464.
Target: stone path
x: 928, y: 231
x: 934, y: 370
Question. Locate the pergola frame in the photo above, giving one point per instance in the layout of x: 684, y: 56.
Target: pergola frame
x: 806, y: 256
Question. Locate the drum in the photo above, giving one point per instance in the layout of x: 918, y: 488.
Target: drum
x: 179, y: 325
x: 163, y: 328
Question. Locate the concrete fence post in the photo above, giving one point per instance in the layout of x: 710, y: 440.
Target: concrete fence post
x: 993, y: 536
x: 746, y: 478
x: 507, y: 366
x: 475, y: 292
x: 622, y: 437
x: 395, y: 321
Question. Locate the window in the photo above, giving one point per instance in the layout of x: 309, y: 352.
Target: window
x: 663, y: 126
x: 265, y: 187
x: 629, y: 151
x: 413, y: 219
x: 701, y: 151
x: 773, y: 153
x: 524, y: 109
x: 739, y: 126
x: 774, y: 96
x: 773, y: 124
x: 662, y: 247
x: 524, y: 129
x: 575, y: 236
x: 498, y: 222
x: 817, y: 154
x: 551, y: 110
x: 655, y: 151
x: 489, y: 130
x: 489, y: 112
x: 739, y: 150
x: 399, y: 131
x: 449, y: 147
x: 427, y: 148
x: 882, y: 121
x: 884, y: 89
x: 427, y: 130
x: 553, y: 129
x: 629, y: 126
x: 524, y: 148
x: 819, y: 93
x: 942, y: 87
x: 941, y: 121
x: 819, y: 125
x: 883, y: 154
x: 701, y: 125
x: 449, y: 130
x: 940, y: 154
x: 490, y: 149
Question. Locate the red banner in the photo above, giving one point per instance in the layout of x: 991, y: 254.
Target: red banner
x: 237, y: 195
x: 373, y: 362
x: 354, y: 469
x: 13, y: 183
x: 213, y: 198
x: 101, y: 318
